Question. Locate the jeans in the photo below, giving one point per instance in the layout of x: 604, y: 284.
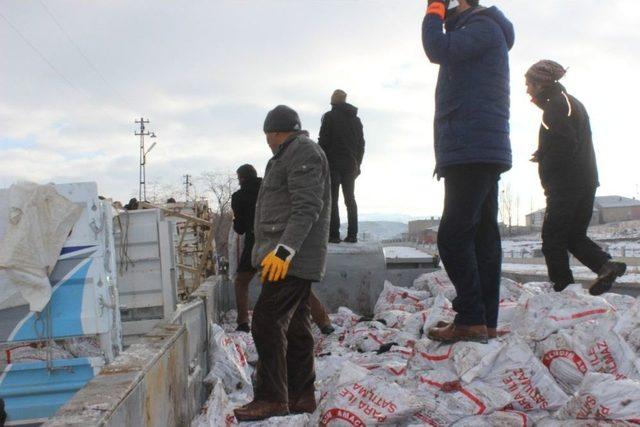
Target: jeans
x: 564, y: 231
x: 348, y: 181
x: 281, y: 329
x: 469, y: 242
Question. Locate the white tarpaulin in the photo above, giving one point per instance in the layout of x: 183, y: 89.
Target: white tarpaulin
x: 38, y: 223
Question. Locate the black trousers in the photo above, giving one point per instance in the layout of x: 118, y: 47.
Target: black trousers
x: 281, y: 329
x: 469, y: 242
x: 348, y: 182
x: 564, y: 231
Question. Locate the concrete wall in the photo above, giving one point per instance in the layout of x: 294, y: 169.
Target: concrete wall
x: 617, y: 214
x: 354, y: 278
x: 158, y: 380
x: 144, y: 386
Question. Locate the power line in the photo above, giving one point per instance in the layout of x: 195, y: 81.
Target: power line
x: 35, y: 49
x: 77, y: 48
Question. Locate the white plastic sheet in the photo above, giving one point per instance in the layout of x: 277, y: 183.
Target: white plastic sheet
x: 445, y: 399
x: 397, y: 298
x: 501, y: 418
x: 601, y: 396
x: 218, y: 410
x: 437, y: 283
x: 629, y: 326
x: 540, y: 316
x: 229, y: 363
x: 517, y: 371
x: 357, y: 398
x: 589, y: 347
x: 39, y: 223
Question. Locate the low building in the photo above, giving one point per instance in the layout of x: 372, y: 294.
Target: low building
x: 606, y: 209
x: 423, y: 231
x: 617, y: 209
x: 535, y: 219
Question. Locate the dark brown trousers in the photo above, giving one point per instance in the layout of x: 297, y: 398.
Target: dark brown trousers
x: 281, y: 329
x: 243, y: 279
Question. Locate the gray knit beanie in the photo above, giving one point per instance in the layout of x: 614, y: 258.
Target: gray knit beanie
x: 282, y: 119
x: 338, y: 97
x: 545, y: 72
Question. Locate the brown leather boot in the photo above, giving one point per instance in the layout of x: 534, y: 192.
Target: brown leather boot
x: 453, y: 333
x: 260, y: 410
x: 306, y: 403
x: 492, y: 333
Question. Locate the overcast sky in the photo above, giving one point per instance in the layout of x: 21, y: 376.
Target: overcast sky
x: 206, y: 72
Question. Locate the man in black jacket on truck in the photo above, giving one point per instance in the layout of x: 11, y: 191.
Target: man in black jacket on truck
x: 569, y: 175
x: 341, y: 138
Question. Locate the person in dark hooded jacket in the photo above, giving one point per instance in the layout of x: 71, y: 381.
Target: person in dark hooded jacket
x: 243, y: 204
x: 341, y: 138
x: 569, y: 175
x: 472, y: 148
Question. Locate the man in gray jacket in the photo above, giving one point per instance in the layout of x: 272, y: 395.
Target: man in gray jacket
x: 291, y: 235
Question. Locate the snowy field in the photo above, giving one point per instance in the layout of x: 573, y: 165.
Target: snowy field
x: 561, y: 358
x: 619, y: 239
x: 580, y: 273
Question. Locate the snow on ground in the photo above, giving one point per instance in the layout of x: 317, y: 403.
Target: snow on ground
x: 404, y: 252
x: 520, y: 248
x: 616, y: 238
x: 579, y: 273
x: 616, y: 230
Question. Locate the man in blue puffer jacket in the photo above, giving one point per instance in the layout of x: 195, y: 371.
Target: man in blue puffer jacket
x: 472, y: 149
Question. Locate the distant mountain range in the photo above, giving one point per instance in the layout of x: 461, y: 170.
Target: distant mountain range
x: 393, y: 217
x: 379, y: 230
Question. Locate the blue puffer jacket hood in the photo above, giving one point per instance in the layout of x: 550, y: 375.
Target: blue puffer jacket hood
x: 472, y: 95
x: 504, y: 23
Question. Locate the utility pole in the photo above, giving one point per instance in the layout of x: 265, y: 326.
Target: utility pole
x: 187, y: 184
x: 142, y: 189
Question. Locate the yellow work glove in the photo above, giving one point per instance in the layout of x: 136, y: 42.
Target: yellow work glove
x: 275, y: 265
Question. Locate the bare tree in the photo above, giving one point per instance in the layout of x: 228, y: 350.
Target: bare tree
x: 158, y: 193
x: 507, y: 207
x: 218, y: 188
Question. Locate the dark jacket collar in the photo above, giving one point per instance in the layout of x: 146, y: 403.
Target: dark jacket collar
x: 250, y: 184
x: 460, y: 20
x: 544, y: 97
x: 288, y: 142
x: 345, y: 107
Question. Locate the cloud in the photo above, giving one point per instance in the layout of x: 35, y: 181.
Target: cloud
x: 206, y: 73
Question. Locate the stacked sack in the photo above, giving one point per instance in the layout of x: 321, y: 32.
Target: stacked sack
x: 563, y: 357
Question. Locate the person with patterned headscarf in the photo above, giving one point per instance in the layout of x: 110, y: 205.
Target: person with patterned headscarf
x: 569, y: 175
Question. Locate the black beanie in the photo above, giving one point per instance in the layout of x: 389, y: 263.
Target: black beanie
x: 247, y: 172
x: 282, y: 119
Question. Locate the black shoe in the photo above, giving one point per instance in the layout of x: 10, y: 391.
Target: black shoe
x: 334, y: 240
x: 243, y: 327
x: 351, y: 239
x: 607, y: 276
x: 560, y: 287
x: 327, y: 330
